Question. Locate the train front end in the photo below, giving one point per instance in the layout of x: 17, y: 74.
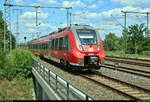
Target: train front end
x: 87, y: 47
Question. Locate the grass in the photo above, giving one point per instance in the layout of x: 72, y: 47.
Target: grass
x: 17, y: 89
x: 122, y: 54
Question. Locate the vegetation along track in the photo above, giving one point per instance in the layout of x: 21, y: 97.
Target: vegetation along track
x: 132, y: 61
x: 126, y: 89
x: 128, y: 70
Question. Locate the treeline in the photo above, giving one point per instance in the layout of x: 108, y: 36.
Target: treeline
x: 134, y: 40
x: 7, y: 36
x: 19, y: 63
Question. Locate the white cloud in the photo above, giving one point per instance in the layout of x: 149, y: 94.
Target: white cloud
x: 86, y: 14
x: 30, y: 16
x: 78, y: 3
x: 101, y: 2
x: 18, y: 1
x: 48, y: 1
x: 140, y: 3
x: 105, y: 18
x: 73, y: 4
x: 31, y: 30
x: 92, y: 6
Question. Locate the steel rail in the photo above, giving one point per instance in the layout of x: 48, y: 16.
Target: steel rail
x: 107, y: 86
x: 121, y: 83
x: 126, y: 70
x: 146, y: 60
x: 129, y: 68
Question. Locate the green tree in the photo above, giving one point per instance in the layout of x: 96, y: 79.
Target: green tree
x: 7, y: 34
x: 134, y: 36
x: 111, y: 42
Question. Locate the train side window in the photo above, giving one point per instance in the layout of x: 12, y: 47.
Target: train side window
x: 45, y: 46
x: 65, y: 43
x: 50, y: 44
x: 56, y: 43
x: 53, y: 44
x: 69, y: 44
x: 60, y: 43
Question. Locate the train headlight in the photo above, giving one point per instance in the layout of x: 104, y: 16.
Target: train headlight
x: 98, y: 47
x: 81, y: 48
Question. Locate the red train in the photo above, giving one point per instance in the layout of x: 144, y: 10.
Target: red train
x: 76, y: 46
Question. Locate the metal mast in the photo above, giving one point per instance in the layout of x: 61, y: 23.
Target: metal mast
x: 67, y: 8
x: 17, y: 25
x: 147, y: 13
x: 7, y: 18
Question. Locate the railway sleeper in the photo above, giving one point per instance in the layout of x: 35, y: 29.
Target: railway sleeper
x: 120, y: 88
x: 141, y: 95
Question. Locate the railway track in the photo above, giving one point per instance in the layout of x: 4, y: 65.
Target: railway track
x: 126, y: 89
x: 128, y: 70
x: 132, y: 61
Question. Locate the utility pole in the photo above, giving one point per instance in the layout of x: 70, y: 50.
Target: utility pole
x: 36, y: 14
x: 67, y: 17
x: 7, y: 18
x: 147, y: 13
x: 147, y: 24
x: 70, y: 19
x: 125, y: 15
x: 7, y: 4
x: 17, y: 25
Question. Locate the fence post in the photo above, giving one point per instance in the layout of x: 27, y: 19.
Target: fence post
x: 44, y: 72
x: 87, y: 97
x: 67, y: 91
x: 56, y: 83
x: 49, y: 73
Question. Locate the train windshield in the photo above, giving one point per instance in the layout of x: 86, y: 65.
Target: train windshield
x: 87, y: 36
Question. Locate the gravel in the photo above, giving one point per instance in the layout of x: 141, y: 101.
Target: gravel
x: 94, y: 90
x: 130, y: 78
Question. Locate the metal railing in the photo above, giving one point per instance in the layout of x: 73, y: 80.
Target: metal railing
x: 64, y: 89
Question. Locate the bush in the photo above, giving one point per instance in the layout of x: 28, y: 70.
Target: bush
x: 22, y: 62
x: 7, y: 69
x: 2, y: 59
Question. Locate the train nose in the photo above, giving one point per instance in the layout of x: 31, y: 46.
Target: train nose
x: 91, y: 60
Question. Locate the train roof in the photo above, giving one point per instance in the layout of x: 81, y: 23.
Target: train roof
x: 72, y: 26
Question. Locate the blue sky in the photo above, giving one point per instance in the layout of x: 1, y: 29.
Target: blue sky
x: 94, y: 12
